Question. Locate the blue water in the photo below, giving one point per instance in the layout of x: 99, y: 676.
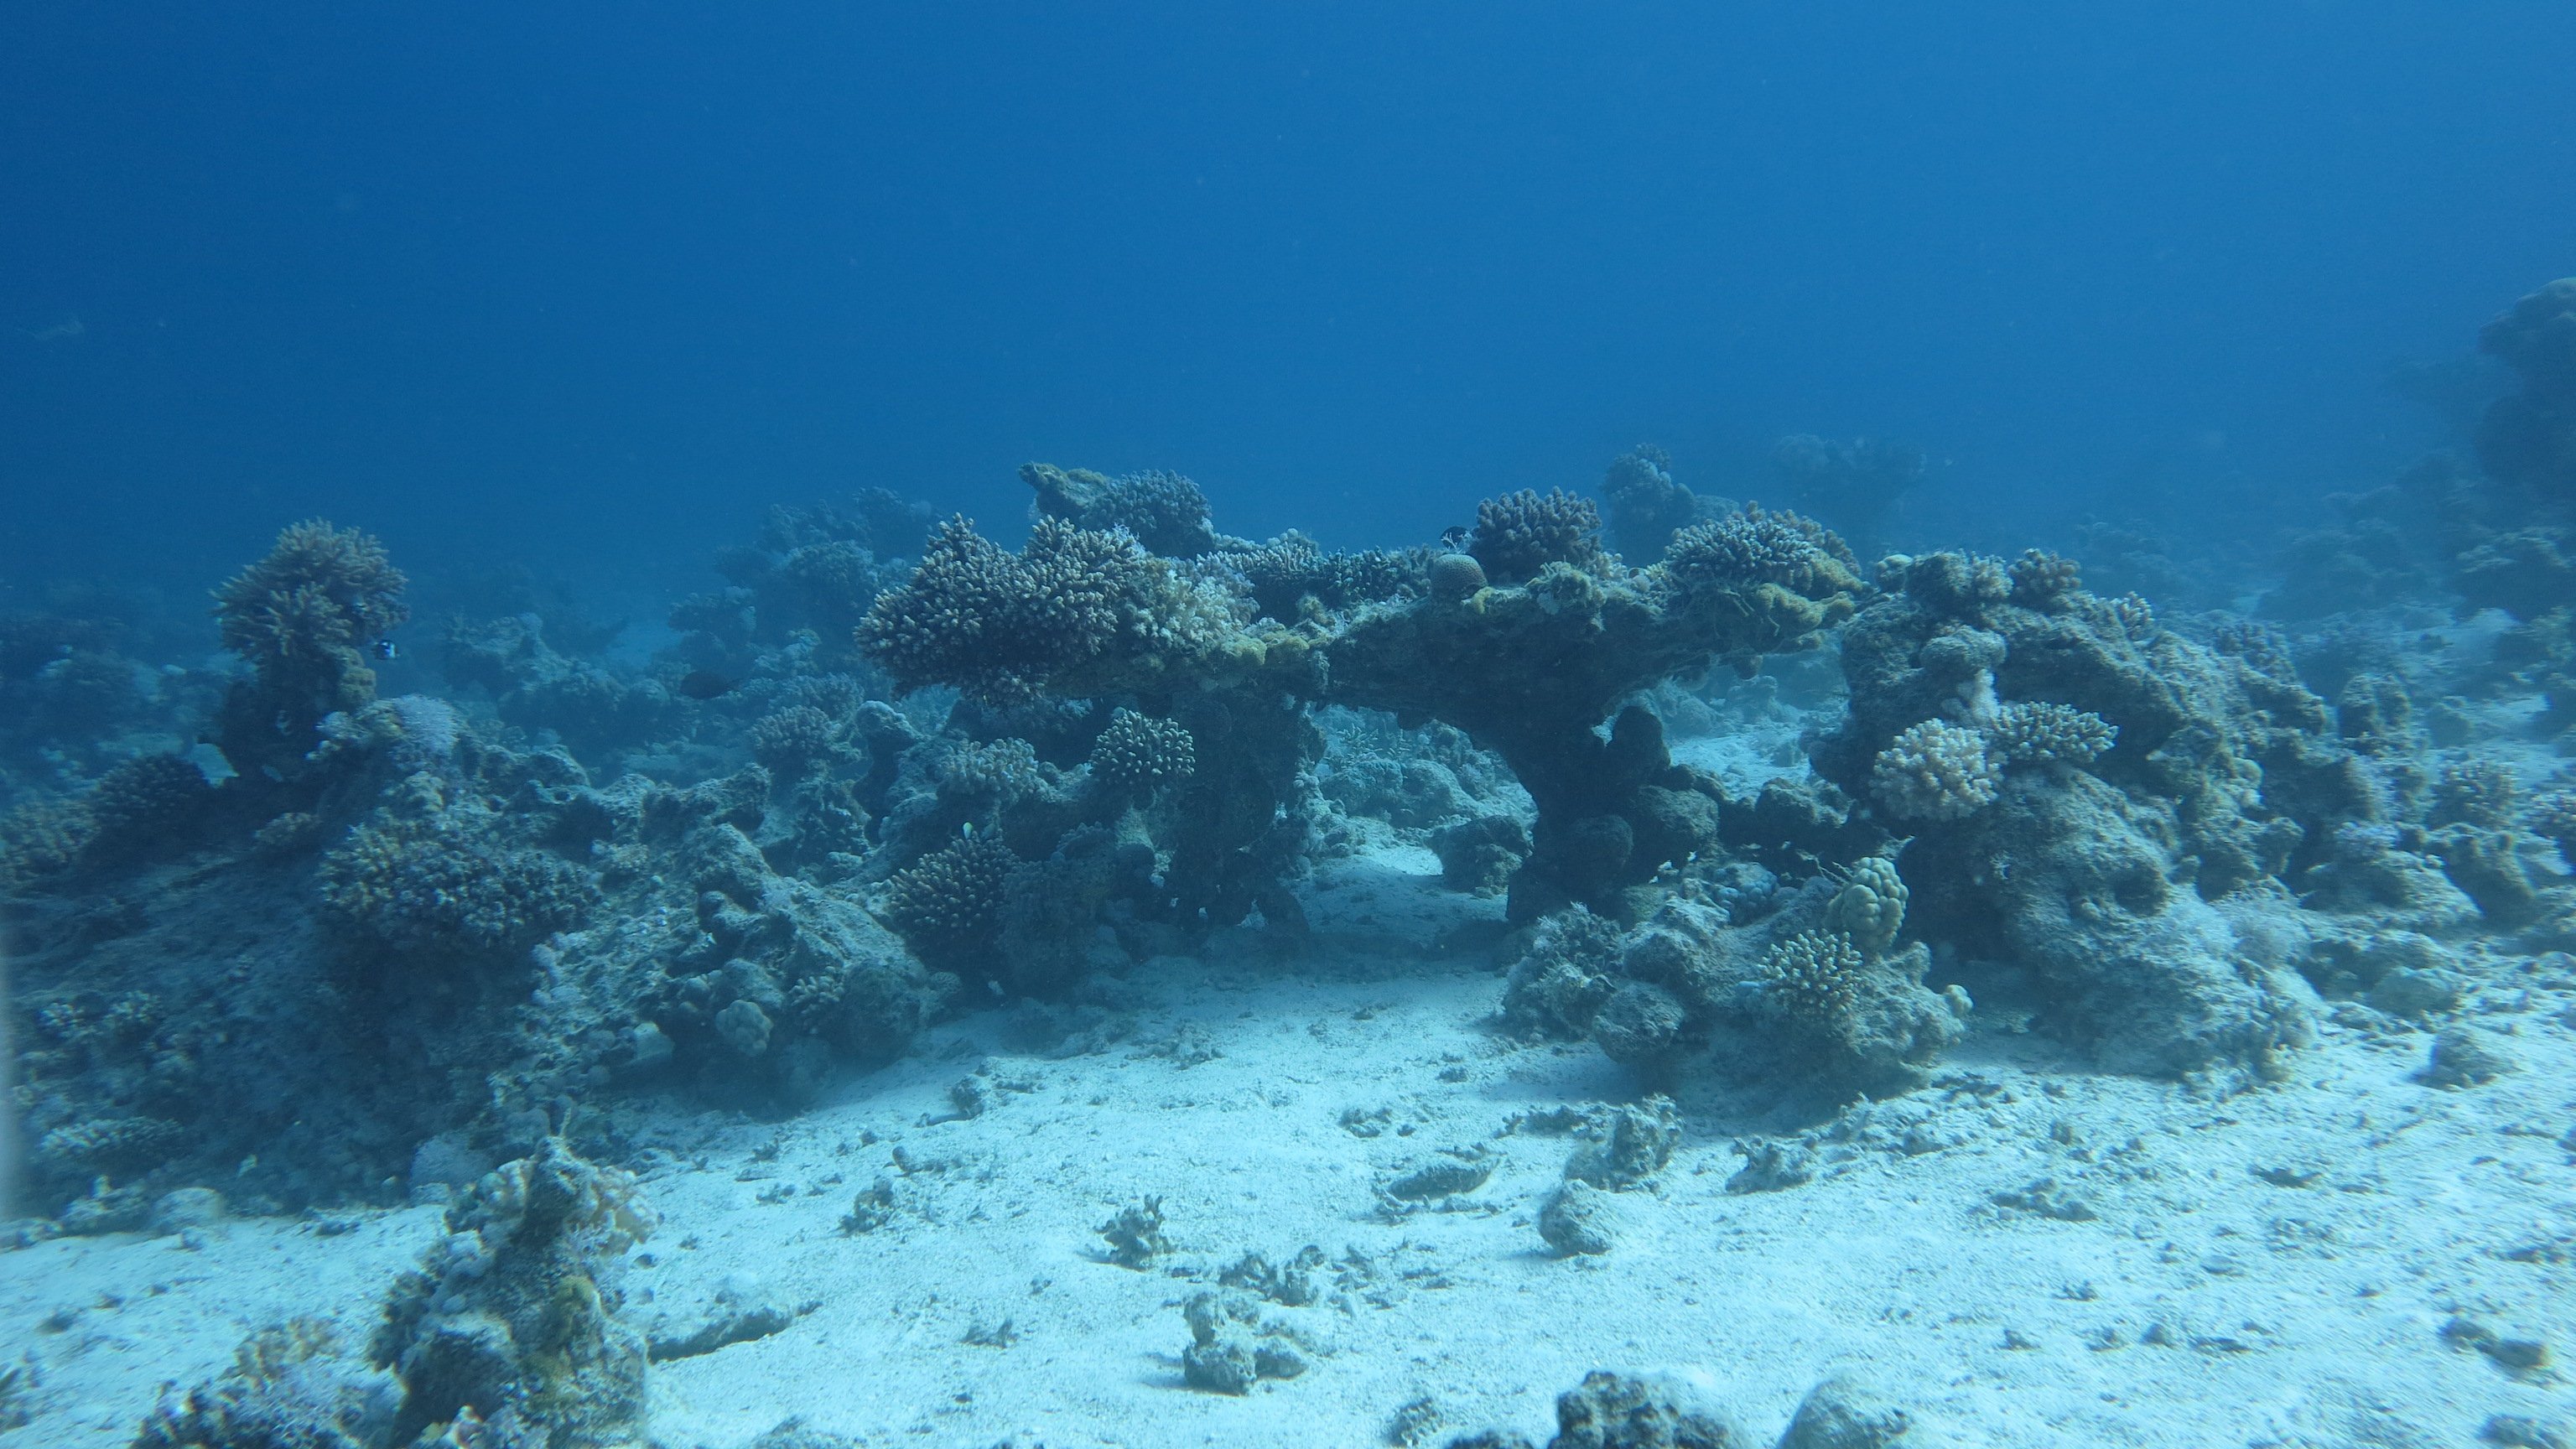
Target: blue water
x: 589, y: 284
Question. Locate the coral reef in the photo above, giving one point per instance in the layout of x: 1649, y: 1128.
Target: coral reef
x: 2133, y: 779
x: 1138, y: 753
x: 303, y: 618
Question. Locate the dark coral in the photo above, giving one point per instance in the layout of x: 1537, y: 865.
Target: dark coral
x: 304, y: 618
x: 446, y: 881
x: 1139, y: 753
x: 1164, y: 512
x: 1854, y: 485
x: 2529, y: 438
x: 1291, y: 574
x: 950, y: 901
x: 1520, y: 534
x: 147, y: 805
x: 1646, y: 506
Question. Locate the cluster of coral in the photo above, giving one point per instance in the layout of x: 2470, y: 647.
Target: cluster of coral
x: 277, y: 925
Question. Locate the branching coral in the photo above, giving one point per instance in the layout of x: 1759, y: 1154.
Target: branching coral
x: 320, y: 589
x: 303, y: 617
x: 2530, y: 437
x: 1074, y: 613
x: 2036, y: 732
x: 1292, y: 573
x: 951, y: 899
x: 1646, y: 506
x: 1936, y: 770
x: 1856, y: 484
x: 1758, y: 547
x: 1812, y: 979
x: 1520, y: 534
x: 1138, y: 752
x: 1941, y: 769
x: 145, y: 802
x: 795, y: 739
x: 1164, y: 512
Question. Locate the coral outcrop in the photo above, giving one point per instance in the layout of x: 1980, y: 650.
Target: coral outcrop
x: 2093, y: 795
x: 304, y: 619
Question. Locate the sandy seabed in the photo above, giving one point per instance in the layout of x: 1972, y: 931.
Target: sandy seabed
x: 2026, y: 1252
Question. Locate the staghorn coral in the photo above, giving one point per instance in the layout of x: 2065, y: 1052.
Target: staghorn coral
x: 1520, y: 534
x: 1138, y: 752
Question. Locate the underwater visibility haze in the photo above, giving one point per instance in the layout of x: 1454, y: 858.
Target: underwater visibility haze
x: 1632, y: 726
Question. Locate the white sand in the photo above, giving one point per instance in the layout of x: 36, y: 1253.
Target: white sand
x: 2203, y: 1305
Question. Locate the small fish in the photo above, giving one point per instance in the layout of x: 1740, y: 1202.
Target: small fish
x: 705, y: 684
x: 63, y: 331
x: 385, y: 649
x: 1454, y: 536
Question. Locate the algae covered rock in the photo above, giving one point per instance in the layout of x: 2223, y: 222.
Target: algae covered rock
x: 515, y: 1313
